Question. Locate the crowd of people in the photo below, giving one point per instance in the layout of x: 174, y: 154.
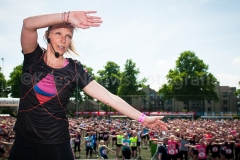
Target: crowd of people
x: 185, y: 139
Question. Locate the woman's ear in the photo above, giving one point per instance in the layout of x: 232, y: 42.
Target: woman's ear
x: 46, y: 34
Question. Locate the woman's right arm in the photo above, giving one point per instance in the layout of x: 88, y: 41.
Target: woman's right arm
x: 29, y: 34
x: 79, y: 19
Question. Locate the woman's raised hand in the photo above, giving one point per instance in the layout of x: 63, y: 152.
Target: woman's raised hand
x: 155, y: 123
x: 83, y: 19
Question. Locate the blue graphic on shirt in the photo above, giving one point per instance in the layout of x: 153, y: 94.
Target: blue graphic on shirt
x: 103, y: 151
x: 89, y: 142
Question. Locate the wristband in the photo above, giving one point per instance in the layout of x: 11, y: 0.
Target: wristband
x: 68, y: 17
x: 141, y: 118
x: 63, y: 17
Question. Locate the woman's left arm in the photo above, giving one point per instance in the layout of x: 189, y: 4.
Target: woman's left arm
x: 98, y: 92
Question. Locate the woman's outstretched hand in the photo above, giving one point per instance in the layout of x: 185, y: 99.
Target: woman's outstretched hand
x: 155, y: 123
x: 82, y: 19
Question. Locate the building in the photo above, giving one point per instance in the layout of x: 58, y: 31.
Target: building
x: 228, y: 102
x: 87, y: 105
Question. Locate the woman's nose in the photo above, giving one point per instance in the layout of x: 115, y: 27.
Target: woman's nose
x: 63, y: 39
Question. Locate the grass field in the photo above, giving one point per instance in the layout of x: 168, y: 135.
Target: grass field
x: 145, y: 155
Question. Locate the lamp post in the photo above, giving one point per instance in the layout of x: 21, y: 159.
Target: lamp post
x: 238, y: 106
x: 229, y: 96
x: 76, y: 98
x: 3, y: 75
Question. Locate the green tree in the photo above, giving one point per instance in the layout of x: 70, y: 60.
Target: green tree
x: 15, y: 81
x: 79, y: 95
x: 89, y: 71
x: 110, y: 79
x: 189, y: 81
x: 129, y: 85
x: 8, y: 110
x: 237, y: 93
x: 82, y: 95
x: 3, y: 91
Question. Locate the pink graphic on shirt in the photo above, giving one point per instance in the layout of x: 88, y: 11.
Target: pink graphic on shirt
x: 45, y: 89
x: 201, y: 151
x: 172, y: 147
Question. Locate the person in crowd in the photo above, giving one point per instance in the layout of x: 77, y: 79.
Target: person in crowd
x: 2, y: 149
x: 183, y: 149
x: 120, y: 137
x: 89, y: 145
x: 215, y: 149
x: 94, y: 142
x: 163, y: 150
x: 229, y: 144
x: 77, y: 142
x: 172, y: 147
x: 126, y: 149
x: 113, y: 136
x: 201, y: 148
x: 139, y: 133
x: 133, y: 144
x: 237, y: 146
x: 102, y: 148
x: 145, y: 136
x: 106, y: 136
x: 193, y: 152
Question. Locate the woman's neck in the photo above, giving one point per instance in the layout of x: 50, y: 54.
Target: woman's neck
x: 52, y: 61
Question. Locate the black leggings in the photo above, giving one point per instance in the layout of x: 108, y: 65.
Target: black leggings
x: 105, y: 157
x: 89, y: 149
x: 95, y: 147
x: 185, y: 153
x: 126, y: 154
x: 23, y: 149
x: 172, y: 157
x: 76, y: 147
x: 237, y: 151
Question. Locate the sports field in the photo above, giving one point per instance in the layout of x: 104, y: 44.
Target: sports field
x: 145, y: 155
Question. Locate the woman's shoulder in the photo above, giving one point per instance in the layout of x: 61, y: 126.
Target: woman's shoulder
x: 74, y: 60
x: 77, y: 64
x: 35, y: 55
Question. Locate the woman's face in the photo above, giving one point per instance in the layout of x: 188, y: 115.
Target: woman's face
x: 196, y: 138
x: 201, y: 141
x: 60, y: 37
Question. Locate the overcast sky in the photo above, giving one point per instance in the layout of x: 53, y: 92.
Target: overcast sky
x: 152, y: 33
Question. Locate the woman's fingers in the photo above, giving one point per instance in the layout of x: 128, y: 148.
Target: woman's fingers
x: 94, y: 20
x: 81, y: 19
x: 93, y: 17
x: 89, y: 12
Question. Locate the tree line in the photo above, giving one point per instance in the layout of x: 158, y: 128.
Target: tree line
x: 188, y: 81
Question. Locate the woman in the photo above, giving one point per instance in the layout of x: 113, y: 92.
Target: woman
x: 126, y: 149
x: 230, y: 143
x: 133, y: 144
x: 194, y: 152
x: 106, y: 136
x: 172, y: 147
x: 183, y: 149
x: 48, y: 81
x: 77, y: 142
x: 201, y: 147
x: 215, y: 149
x: 103, y: 150
x: 89, y: 145
x: 237, y: 147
